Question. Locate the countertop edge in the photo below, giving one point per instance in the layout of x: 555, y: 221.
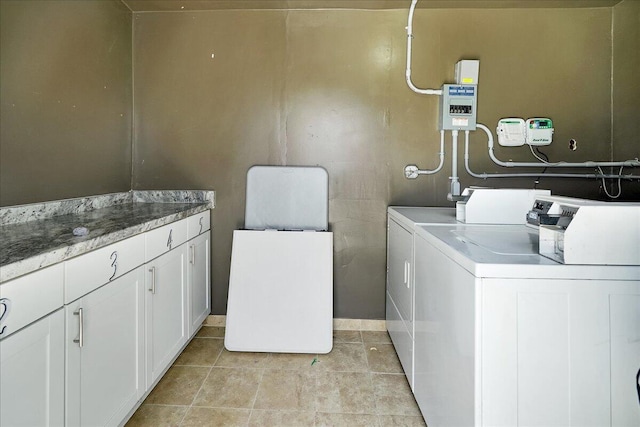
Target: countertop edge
x: 46, y: 210
x: 54, y: 256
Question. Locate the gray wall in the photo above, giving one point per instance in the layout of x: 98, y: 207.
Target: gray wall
x: 626, y: 88
x: 65, y: 70
x: 299, y: 87
x: 326, y: 87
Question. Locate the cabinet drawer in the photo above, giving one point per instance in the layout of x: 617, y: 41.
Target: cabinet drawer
x: 165, y: 238
x: 87, y: 272
x: 28, y: 298
x: 198, y: 224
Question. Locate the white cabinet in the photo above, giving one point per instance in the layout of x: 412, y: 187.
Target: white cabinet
x: 83, y: 341
x: 104, y: 352
x: 199, y: 280
x: 32, y: 349
x: 165, y: 310
x: 32, y: 374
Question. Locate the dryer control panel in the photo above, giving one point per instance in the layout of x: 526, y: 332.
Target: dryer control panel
x: 593, y: 234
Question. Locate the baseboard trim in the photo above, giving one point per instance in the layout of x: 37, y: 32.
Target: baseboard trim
x: 338, y: 324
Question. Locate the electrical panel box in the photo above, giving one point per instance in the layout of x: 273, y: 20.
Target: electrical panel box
x: 539, y: 131
x: 458, y: 107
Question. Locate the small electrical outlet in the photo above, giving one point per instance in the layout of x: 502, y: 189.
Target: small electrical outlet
x: 573, y: 144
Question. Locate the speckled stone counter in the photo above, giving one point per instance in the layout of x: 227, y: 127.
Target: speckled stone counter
x: 38, y: 235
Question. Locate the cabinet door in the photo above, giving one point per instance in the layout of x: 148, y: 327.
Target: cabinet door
x: 400, y: 271
x: 199, y: 281
x: 165, y: 308
x: 32, y: 373
x: 105, y: 348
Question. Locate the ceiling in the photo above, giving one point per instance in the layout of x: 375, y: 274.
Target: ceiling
x: 184, y: 5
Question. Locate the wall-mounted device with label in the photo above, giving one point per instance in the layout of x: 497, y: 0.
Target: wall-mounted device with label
x: 466, y: 72
x: 539, y: 131
x: 511, y: 132
x: 458, y: 107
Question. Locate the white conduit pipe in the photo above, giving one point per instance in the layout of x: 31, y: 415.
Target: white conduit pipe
x: 455, y: 184
x: 589, y: 164
x: 408, y: 70
x: 532, y: 175
x: 412, y: 171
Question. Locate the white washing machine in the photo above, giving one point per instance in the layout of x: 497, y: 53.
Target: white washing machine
x: 506, y: 337
x: 481, y: 206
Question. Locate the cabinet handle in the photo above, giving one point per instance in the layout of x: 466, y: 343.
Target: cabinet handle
x: 80, y: 339
x: 192, y: 254
x: 407, y: 273
x: 152, y: 270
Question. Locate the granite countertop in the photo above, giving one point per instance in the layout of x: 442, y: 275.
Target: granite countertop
x: 26, y: 246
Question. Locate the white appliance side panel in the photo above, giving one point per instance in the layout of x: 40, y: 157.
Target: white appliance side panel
x: 546, y: 352
x: 625, y: 358
x: 280, y: 292
x: 500, y: 206
x: 400, y: 271
x: 444, y: 374
x: 401, y: 339
x: 544, y: 390
x: 499, y: 349
x: 409, y: 216
x: 603, y: 235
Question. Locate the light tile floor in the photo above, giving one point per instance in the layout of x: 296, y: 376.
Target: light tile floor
x: 360, y: 383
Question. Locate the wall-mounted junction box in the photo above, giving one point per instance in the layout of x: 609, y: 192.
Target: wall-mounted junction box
x: 466, y: 72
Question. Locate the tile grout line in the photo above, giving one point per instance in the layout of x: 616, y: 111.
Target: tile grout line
x: 315, y: 391
x: 201, y: 386
x: 373, y: 390
x: 255, y: 396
